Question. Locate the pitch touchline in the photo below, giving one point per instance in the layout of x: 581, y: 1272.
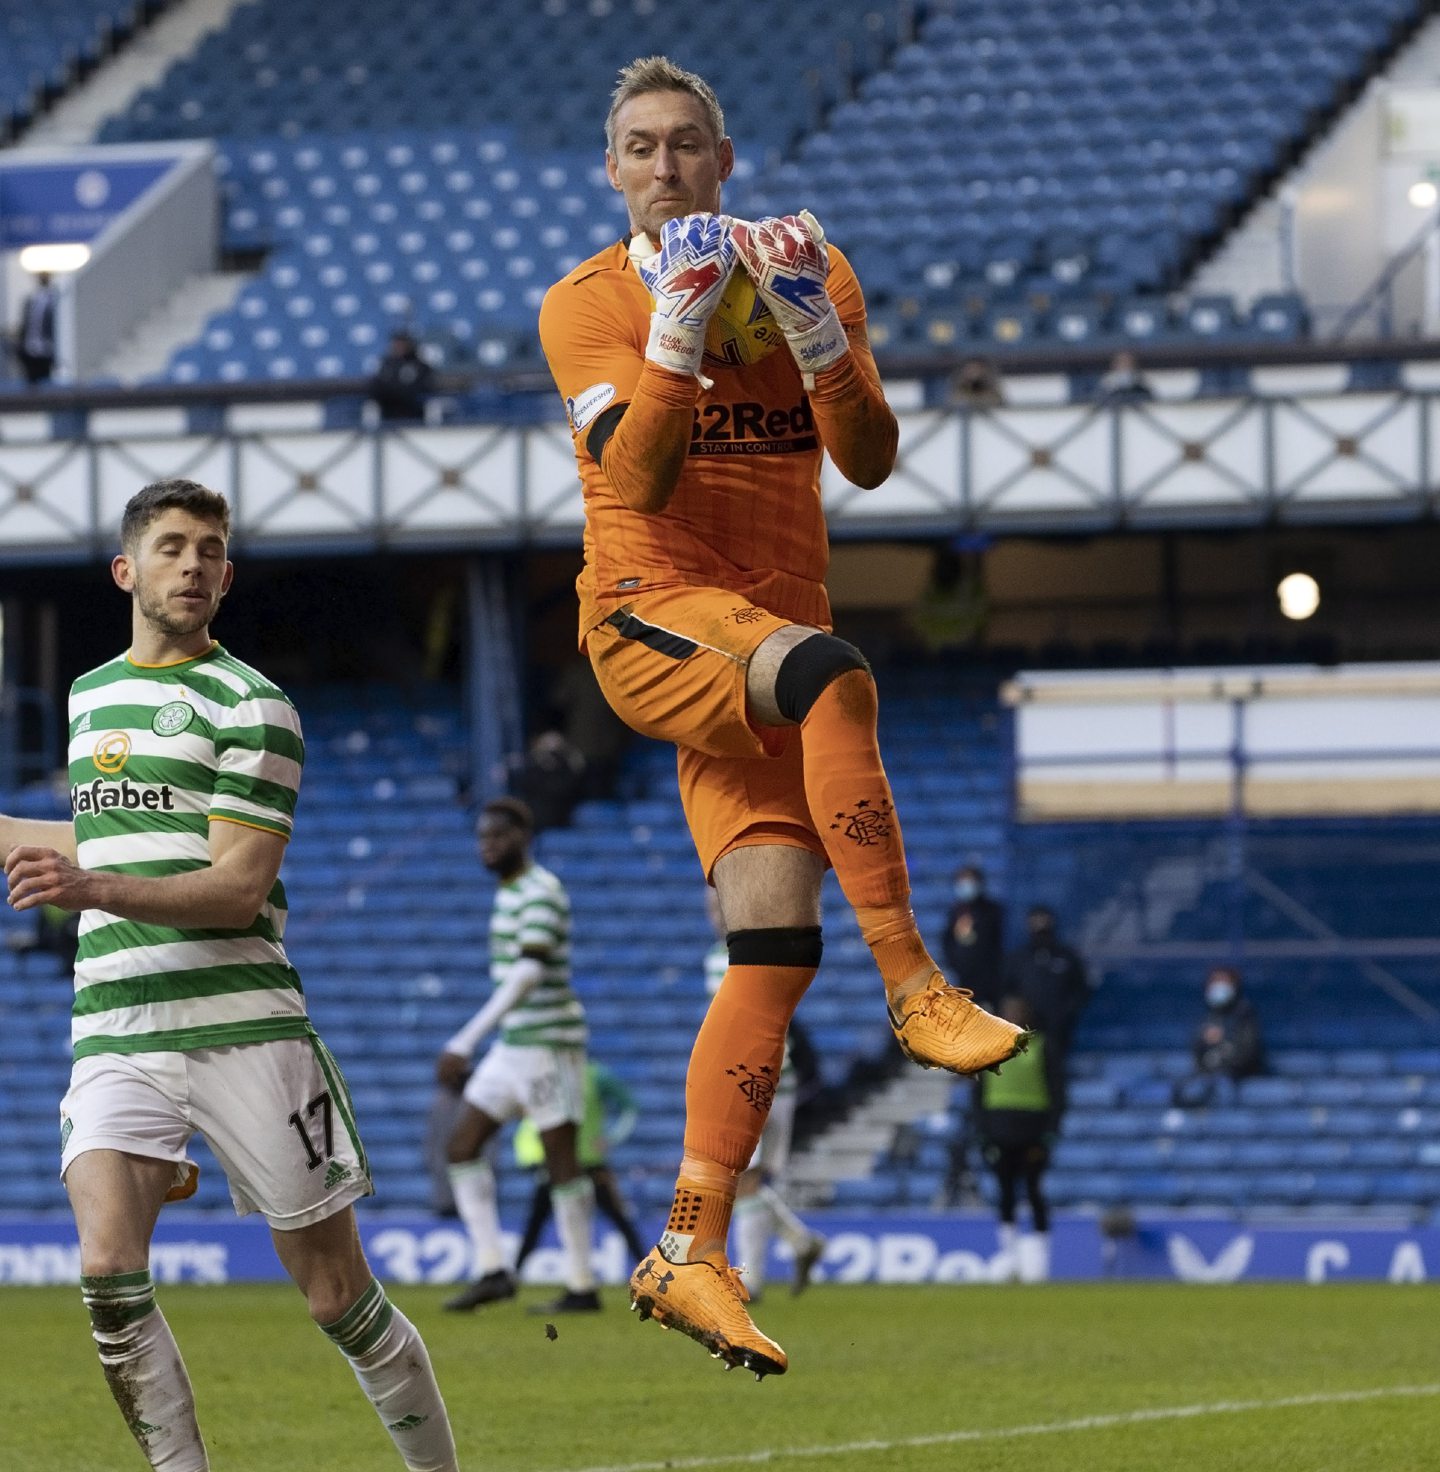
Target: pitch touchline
x: 1004, y: 1433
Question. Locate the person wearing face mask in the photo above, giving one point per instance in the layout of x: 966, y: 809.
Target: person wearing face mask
x: 1048, y: 974
x: 1228, y: 1045
x: 973, y: 941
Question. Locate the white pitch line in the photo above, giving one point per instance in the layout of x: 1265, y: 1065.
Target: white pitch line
x: 1006, y: 1433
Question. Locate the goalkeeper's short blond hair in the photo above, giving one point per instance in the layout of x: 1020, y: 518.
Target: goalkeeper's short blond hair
x: 660, y: 74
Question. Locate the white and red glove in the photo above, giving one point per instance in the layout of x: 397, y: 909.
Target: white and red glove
x: 686, y: 278
x: 788, y: 262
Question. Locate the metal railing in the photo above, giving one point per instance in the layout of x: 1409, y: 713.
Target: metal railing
x: 1376, y: 304
x: 1223, y: 861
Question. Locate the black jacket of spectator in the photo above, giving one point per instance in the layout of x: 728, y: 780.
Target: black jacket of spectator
x: 551, y: 778
x: 402, y: 382
x: 1051, y: 978
x: 1124, y: 383
x: 973, y: 946
x: 1229, y: 1042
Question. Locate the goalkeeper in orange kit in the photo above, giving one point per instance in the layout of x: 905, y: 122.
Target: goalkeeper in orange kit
x: 704, y: 615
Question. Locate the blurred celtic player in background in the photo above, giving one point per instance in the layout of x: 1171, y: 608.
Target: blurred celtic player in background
x: 610, y: 1118
x: 535, y: 1069
x: 184, y: 768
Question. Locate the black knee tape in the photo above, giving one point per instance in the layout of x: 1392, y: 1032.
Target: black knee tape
x: 809, y: 668
x: 785, y: 945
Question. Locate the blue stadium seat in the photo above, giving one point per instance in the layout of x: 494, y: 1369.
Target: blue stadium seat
x: 1214, y: 318
x: 1279, y: 317
x: 1057, y: 165
x: 1143, y: 319
x: 1079, y: 323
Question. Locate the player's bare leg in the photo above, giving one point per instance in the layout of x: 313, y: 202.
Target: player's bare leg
x: 383, y: 1347
x: 116, y: 1198
x: 801, y: 676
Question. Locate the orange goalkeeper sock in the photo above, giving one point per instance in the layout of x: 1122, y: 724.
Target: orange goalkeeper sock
x: 730, y: 1085
x: 854, y: 813
x: 699, y: 1219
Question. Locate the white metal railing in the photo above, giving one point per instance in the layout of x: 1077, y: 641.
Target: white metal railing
x: 1237, y: 461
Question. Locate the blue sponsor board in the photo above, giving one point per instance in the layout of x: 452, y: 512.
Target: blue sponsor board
x: 51, y: 202
x: 197, y: 1247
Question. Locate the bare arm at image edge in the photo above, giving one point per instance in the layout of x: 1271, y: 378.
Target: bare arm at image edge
x: 225, y: 895
x: 56, y: 833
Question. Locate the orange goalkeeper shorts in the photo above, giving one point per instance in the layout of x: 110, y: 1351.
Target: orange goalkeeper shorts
x: 672, y: 665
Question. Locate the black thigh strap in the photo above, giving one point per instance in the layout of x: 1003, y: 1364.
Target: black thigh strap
x: 808, y: 668
x: 785, y: 945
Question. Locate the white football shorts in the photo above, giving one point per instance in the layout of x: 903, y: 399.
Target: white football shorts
x: 547, y: 1084
x: 276, y: 1114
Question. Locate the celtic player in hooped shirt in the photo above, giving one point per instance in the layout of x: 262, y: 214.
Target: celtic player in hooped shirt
x: 177, y: 747
x: 188, y: 1017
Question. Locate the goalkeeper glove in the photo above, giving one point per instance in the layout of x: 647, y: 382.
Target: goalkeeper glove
x: 686, y: 278
x: 788, y: 262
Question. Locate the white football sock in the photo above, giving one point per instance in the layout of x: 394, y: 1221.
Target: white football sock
x: 1033, y: 1257
x: 754, y: 1225
x: 574, y: 1204
x: 142, y: 1364
x: 1005, y: 1268
x: 393, y: 1367
x: 475, y: 1199
x: 791, y: 1228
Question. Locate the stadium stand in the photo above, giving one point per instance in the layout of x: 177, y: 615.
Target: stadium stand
x: 1038, y: 155
x: 389, y: 907
x: 1055, y: 173
x: 388, y: 918
x: 1342, y: 1124
x: 44, y: 49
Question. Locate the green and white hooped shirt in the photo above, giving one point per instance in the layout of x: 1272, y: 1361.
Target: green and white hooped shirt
x: 156, y: 754
x: 532, y: 913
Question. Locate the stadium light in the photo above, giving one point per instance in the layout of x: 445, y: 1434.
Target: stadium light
x: 38, y: 258
x: 1299, y: 595
x: 1423, y: 194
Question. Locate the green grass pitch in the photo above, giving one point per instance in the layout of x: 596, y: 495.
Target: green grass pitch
x: 1344, y: 1378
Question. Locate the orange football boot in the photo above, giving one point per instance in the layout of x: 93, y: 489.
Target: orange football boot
x: 939, y: 1026
x: 705, y: 1300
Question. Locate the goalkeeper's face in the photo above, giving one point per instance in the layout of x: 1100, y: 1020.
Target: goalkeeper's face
x: 666, y: 161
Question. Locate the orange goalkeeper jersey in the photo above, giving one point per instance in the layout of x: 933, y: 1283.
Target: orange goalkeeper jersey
x: 746, y: 515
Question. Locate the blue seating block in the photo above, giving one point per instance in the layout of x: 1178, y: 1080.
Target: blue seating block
x: 1039, y: 176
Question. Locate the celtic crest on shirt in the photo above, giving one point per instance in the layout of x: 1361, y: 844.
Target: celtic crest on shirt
x: 172, y: 719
